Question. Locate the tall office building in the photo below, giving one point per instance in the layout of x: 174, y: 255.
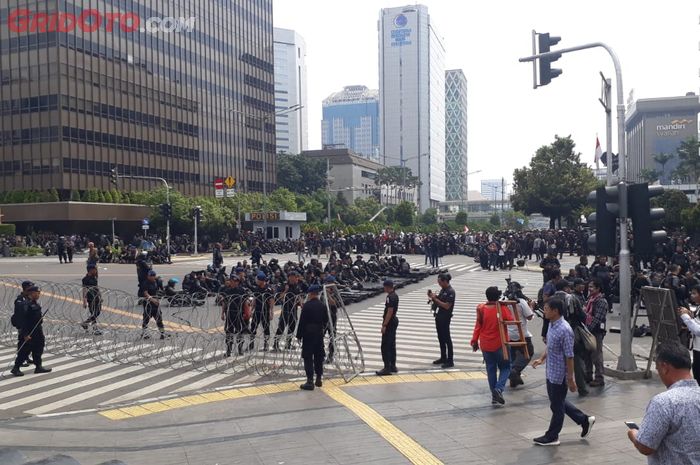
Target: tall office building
x: 351, y: 120
x: 412, y: 98
x: 456, y: 136
x: 129, y: 84
x: 290, y: 90
x: 491, y: 189
x: 658, y: 126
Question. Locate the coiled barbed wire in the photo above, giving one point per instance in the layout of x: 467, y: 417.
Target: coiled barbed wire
x: 205, y: 332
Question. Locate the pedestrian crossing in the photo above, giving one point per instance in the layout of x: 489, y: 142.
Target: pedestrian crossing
x: 469, y: 265
x: 86, y: 383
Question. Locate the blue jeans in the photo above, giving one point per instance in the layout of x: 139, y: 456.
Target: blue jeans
x: 495, y: 361
x: 560, y: 407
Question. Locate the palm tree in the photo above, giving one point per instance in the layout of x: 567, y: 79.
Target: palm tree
x: 662, y: 158
x: 649, y: 175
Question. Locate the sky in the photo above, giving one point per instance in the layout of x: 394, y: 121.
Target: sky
x: 657, y: 44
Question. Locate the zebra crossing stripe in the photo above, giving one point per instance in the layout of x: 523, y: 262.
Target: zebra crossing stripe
x: 133, y: 380
x: 69, y: 387
x: 153, y: 388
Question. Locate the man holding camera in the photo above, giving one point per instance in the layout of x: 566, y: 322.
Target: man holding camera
x: 445, y: 302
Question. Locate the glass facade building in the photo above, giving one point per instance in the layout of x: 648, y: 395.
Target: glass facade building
x: 455, y: 135
x: 290, y: 90
x: 351, y: 120
x: 412, y: 98
x: 177, y: 89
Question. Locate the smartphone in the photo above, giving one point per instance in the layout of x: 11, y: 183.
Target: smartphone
x: 631, y: 425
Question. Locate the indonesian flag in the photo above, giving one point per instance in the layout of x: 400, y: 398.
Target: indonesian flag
x: 598, y: 150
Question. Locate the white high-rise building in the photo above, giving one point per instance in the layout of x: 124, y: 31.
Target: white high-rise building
x: 412, y: 98
x: 290, y: 89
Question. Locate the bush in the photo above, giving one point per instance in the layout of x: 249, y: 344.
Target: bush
x: 461, y: 218
x: 7, y: 229
x: 27, y: 251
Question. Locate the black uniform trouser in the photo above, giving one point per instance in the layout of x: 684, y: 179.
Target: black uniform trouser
x: 389, y: 344
x: 235, y: 330
x: 95, y: 308
x: 20, y: 341
x: 260, y: 317
x: 152, y: 311
x: 62, y: 257
x: 34, y: 346
x: 442, y: 325
x: 288, y: 321
x: 313, y: 354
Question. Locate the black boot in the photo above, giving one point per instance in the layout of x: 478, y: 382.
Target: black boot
x: 16, y: 371
x: 308, y: 386
x: 319, y: 382
x: 40, y: 369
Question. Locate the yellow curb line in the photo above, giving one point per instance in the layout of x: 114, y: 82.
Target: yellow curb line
x: 149, y: 408
x: 403, y: 443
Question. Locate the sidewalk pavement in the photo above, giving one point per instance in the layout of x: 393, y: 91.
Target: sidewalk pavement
x: 432, y: 419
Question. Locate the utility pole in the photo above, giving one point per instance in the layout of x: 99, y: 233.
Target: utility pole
x: 113, y: 236
x: 625, y: 362
x: 328, y: 186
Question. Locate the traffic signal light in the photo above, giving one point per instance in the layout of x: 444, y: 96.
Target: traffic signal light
x: 642, y: 215
x: 547, y: 73
x: 615, y: 161
x: 607, y: 208
x: 114, y: 176
x: 197, y: 213
x: 166, y: 210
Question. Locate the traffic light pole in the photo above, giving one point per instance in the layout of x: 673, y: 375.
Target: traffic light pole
x: 167, y: 200
x: 626, y: 361
x: 196, y: 252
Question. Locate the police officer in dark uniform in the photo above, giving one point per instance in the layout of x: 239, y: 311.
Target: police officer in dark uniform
x: 217, y: 257
x: 264, y: 303
x: 151, y: 304
x: 20, y: 308
x: 445, y: 302
x: 92, y: 299
x: 32, y: 334
x: 291, y: 301
x: 313, y: 320
x: 389, y: 324
x: 233, y: 300
x: 142, y: 268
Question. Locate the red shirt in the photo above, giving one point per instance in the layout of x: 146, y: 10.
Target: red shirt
x: 486, y: 331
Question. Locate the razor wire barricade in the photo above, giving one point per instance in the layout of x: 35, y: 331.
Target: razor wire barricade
x: 249, y: 333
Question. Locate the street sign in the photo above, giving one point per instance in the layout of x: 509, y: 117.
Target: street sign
x: 230, y: 192
x: 218, y: 183
x: 230, y: 182
x: 219, y: 193
x: 145, y: 227
x: 145, y: 222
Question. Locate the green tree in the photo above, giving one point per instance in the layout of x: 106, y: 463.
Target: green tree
x: 404, y: 213
x: 53, y: 194
x: 108, y: 197
x: 495, y: 220
x: 461, y: 218
x: 116, y: 196
x: 662, y: 158
x: 397, y: 180
x: 648, y: 175
x: 429, y: 216
x: 673, y: 202
x: 101, y: 197
x: 301, y: 174
x: 690, y: 218
x: 74, y: 196
x: 556, y: 184
x: 689, y: 162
